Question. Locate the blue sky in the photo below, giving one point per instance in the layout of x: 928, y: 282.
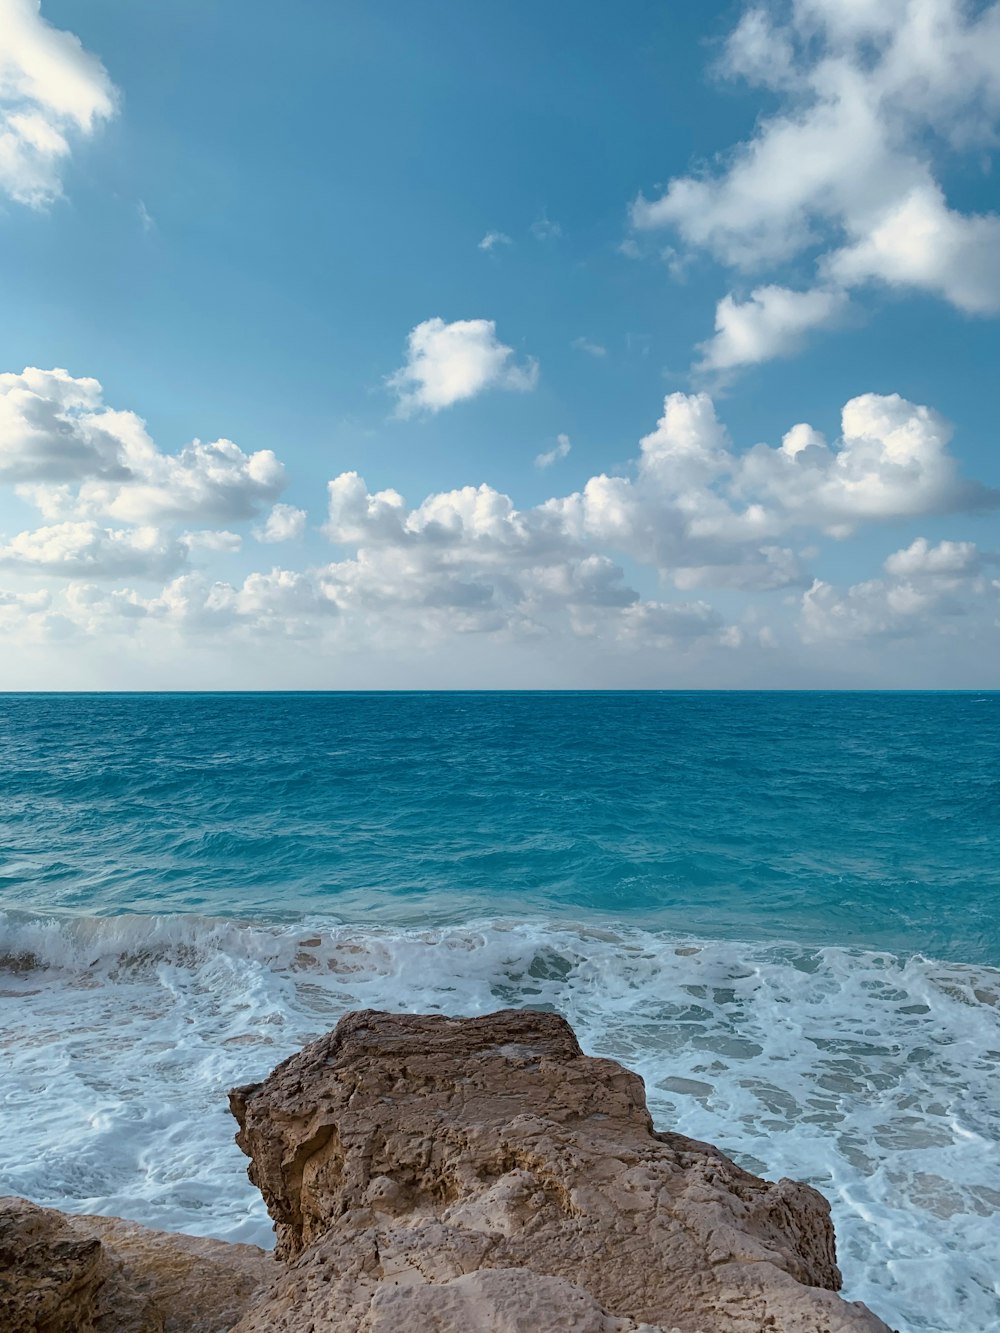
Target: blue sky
x: 433, y: 244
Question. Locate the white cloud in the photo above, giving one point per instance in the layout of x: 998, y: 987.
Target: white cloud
x: 448, y: 363
x: 893, y: 462
x: 75, y: 458
x: 948, y: 559
x: 919, y: 241
x: 282, y: 600
x: 73, y: 549
x: 50, y: 429
x: 561, y: 450
x: 16, y: 608
x: 593, y: 349
x: 283, y: 524
x: 869, y: 91
x: 466, y: 561
x: 212, y: 539
x: 925, y: 589
x: 694, y: 509
x: 773, y: 322
x: 285, y: 595
x: 691, y: 508
x: 492, y: 239
x: 51, y: 90
x: 708, y: 516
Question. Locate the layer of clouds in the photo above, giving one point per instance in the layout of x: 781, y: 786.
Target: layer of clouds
x: 449, y: 363
x: 86, y: 548
x: 692, y: 508
x: 212, y: 539
x: 75, y: 458
x: 51, y: 91
x: 694, y: 505
x: 869, y: 92
x: 690, y: 512
x: 924, y: 589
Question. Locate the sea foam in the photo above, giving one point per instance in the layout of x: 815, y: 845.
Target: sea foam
x: 870, y: 1075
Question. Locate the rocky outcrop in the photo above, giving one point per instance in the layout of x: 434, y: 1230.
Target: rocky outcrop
x: 436, y: 1175
x: 62, y: 1274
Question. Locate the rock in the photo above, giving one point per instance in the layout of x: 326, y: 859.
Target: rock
x: 436, y: 1175
x: 61, y: 1274
x: 50, y: 1273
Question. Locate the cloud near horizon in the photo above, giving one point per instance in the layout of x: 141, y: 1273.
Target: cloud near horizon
x: 690, y: 512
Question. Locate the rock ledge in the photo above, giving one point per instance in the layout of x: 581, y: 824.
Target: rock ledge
x: 436, y: 1175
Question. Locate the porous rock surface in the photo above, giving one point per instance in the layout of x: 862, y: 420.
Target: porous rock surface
x: 437, y: 1175
x: 61, y: 1274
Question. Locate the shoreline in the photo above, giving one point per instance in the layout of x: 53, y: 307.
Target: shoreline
x: 487, y: 1190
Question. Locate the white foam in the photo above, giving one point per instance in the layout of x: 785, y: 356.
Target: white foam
x: 871, y: 1076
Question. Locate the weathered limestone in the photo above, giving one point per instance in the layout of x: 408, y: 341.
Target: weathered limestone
x: 61, y: 1274
x: 434, y: 1175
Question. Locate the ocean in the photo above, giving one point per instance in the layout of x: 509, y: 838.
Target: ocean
x: 782, y: 909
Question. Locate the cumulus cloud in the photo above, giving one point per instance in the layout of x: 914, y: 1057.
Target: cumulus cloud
x: 868, y: 92
x: 925, y: 589
x: 51, y: 91
x: 73, y: 549
x: 691, y: 508
x: 772, y: 322
x: 212, y: 539
x: 893, y: 462
x: 283, y: 524
x: 950, y: 559
x: 75, y: 458
x: 918, y: 241
x: 289, y: 602
x: 707, y: 515
x: 470, y: 561
x: 551, y: 456
x: 449, y: 363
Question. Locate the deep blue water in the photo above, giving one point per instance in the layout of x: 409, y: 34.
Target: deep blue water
x: 849, y: 819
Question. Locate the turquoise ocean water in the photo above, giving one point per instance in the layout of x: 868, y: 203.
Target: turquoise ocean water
x: 782, y: 909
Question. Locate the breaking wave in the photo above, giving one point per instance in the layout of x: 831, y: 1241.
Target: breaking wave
x: 869, y: 1074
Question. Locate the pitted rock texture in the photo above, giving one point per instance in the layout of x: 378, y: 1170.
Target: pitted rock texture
x: 61, y: 1274
x: 50, y: 1273
x: 437, y: 1175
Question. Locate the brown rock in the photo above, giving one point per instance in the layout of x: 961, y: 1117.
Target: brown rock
x: 435, y: 1175
x: 50, y: 1273
x: 61, y: 1274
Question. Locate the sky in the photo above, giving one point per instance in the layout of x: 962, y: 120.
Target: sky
x: 380, y: 345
